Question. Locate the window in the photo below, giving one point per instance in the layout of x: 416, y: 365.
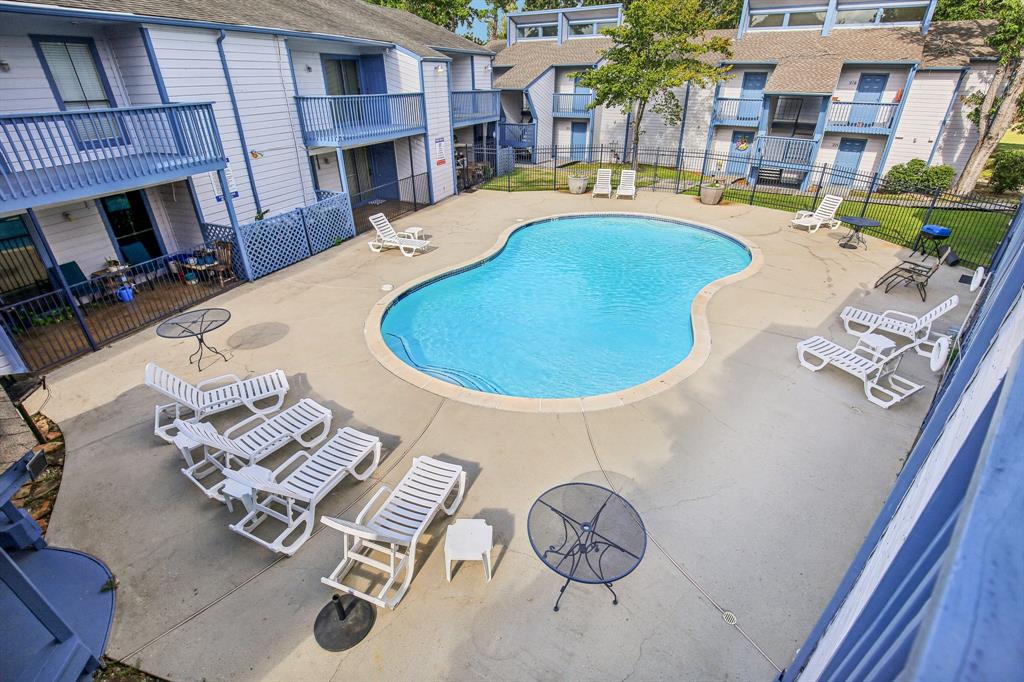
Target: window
x: 341, y: 76
x: 897, y: 14
x: 856, y: 16
x: 537, y: 31
x: 807, y: 19
x: 77, y: 80
x: 131, y: 227
x: 602, y: 25
x: 766, y: 20
x: 590, y: 28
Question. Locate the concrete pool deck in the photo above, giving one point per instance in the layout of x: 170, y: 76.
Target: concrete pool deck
x: 756, y: 479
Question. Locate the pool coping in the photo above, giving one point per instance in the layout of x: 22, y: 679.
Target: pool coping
x: 697, y: 356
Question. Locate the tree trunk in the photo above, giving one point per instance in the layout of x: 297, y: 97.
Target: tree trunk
x: 993, y: 132
x: 640, y: 107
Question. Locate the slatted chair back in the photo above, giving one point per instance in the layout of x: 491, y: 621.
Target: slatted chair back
x: 206, y: 434
x: 383, y: 227
x: 938, y: 311
x: 627, y: 181
x: 827, y: 208
x: 604, y: 178
x: 416, y: 498
x: 173, y: 387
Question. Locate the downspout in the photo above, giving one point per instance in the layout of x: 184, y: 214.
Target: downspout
x: 682, y: 126
x: 238, y: 120
x: 949, y: 113
x: 896, y: 120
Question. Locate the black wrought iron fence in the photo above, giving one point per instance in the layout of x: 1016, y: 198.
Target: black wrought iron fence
x: 978, y: 223
x: 54, y: 327
x: 22, y: 272
x: 393, y: 199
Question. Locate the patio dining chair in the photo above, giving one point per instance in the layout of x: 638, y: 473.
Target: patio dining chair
x: 224, y: 267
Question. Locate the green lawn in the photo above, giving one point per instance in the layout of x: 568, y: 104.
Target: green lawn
x: 541, y: 177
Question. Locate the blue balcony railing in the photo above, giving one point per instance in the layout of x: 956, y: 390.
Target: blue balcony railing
x: 517, y: 135
x: 738, y: 111
x: 53, y: 157
x: 861, y: 117
x: 572, y: 104
x: 474, y: 106
x: 347, y: 120
x: 785, y: 150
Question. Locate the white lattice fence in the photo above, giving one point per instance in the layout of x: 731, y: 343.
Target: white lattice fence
x: 506, y: 161
x: 329, y: 221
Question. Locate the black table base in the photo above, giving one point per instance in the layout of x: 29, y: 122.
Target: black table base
x: 344, y: 622
x: 199, y: 351
x: 589, y: 546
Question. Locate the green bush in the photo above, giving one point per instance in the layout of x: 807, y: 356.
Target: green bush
x: 917, y: 176
x: 1007, y: 171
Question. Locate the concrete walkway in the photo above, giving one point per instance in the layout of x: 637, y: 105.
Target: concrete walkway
x: 756, y: 478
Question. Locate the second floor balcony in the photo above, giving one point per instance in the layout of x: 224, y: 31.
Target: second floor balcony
x: 572, y: 104
x: 517, y: 135
x: 356, y: 120
x: 737, y: 111
x: 861, y: 117
x: 54, y: 157
x: 475, y: 106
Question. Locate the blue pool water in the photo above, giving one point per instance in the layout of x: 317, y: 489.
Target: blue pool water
x: 571, y: 307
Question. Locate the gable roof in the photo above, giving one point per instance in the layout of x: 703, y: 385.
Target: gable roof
x: 528, y: 59
x: 343, y: 18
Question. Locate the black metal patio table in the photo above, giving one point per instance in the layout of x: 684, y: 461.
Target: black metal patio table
x: 586, y: 534
x: 854, y: 237
x: 195, y: 324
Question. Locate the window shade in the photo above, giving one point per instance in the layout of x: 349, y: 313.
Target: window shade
x: 76, y: 74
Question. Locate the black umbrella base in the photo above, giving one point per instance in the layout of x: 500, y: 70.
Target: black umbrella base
x: 343, y: 623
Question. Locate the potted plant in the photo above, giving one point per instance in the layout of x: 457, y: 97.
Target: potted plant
x: 578, y: 183
x: 711, y: 192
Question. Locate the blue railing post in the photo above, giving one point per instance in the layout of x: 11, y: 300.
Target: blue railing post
x: 229, y: 204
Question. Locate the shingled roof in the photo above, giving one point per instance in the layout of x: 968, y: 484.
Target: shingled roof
x: 529, y: 59
x: 348, y: 18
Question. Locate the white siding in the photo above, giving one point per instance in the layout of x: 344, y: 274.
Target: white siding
x: 868, y: 160
x: 564, y: 81
x: 407, y: 166
x: 611, y: 127
x: 309, y: 70
x: 541, y: 93
x: 698, y: 119
x: 733, y: 87
x: 481, y: 67
x: 960, y: 135
x: 512, y: 105
x: 925, y: 107
x: 462, y: 73
x: 328, y: 175
x: 175, y: 216
x: 439, y: 129
x: 133, y: 65
x: 80, y: 235
x: 403, y: 72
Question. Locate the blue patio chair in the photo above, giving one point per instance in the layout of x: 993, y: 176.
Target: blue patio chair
x: 75, y: 278
x: 135, y: 253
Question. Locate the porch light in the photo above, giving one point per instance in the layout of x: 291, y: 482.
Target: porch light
x: 439, y: 69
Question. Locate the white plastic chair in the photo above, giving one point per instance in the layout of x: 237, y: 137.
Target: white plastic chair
x: 292, y: 499
x: 226, y: 451
x: 195, y: 402
x: 627, y: 185
x: 863, y: 362
x: 824, y: 215
x: 603, y: 185
x: 917, y: 329
x: 395, y: 528
x: 387, y: 238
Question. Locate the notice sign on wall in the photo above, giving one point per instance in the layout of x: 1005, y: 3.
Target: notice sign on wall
x: 215, y: 183
x: 439, y: 151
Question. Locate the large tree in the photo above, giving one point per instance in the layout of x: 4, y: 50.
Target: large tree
x: 451, y: 14
x: 493, y: 15
x: 1001, y: 107
x: 660, y: 46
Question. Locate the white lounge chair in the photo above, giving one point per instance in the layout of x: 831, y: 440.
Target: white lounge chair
x: 917, y: 329
x: 225, y: 451
x: 824, y: 215
x: 388, y: 238
x: 863, y: 362
x: 292, y: 500
x: 195, y: 402
x: 627, y: 185
x: 395, y: 527
x: 603, y: 185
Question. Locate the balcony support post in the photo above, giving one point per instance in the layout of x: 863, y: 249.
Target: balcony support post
x: 819, y: 134
x: 229, y: 204
x: 40, y: 238
x: 238, y: 119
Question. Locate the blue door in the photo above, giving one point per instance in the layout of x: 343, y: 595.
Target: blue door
x: 739, y: 153
x: 578, y: 148
x: 752, y: 89
x: 869, y: 93
x: 847, y: 160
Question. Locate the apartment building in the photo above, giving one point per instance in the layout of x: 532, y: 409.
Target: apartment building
x: 125, y: 127
x: 860, y: 86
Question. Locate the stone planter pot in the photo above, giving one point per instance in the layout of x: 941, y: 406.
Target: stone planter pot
x: 711, y: 195
x: 577, y: 185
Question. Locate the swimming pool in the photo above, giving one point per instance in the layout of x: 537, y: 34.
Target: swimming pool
x: 570, y: 307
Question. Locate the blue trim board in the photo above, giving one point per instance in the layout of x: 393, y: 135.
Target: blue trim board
x: 426, y: 141
x: 238, y: 119
x: 896, y: 119
x: 1004, y: 289
x: 451, y: 127
x: 927, y: 22
x: 945, y: 119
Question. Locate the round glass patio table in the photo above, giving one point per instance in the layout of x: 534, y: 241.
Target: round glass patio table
x: 195, y: 324
x: 586, y: 534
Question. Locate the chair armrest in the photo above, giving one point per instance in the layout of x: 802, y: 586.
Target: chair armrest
x: 227, y: 378
x: 301, y: 454
x: 360, y: 531
x: 244, y: 422
x: 369, y: 505
x: 803, y: 214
